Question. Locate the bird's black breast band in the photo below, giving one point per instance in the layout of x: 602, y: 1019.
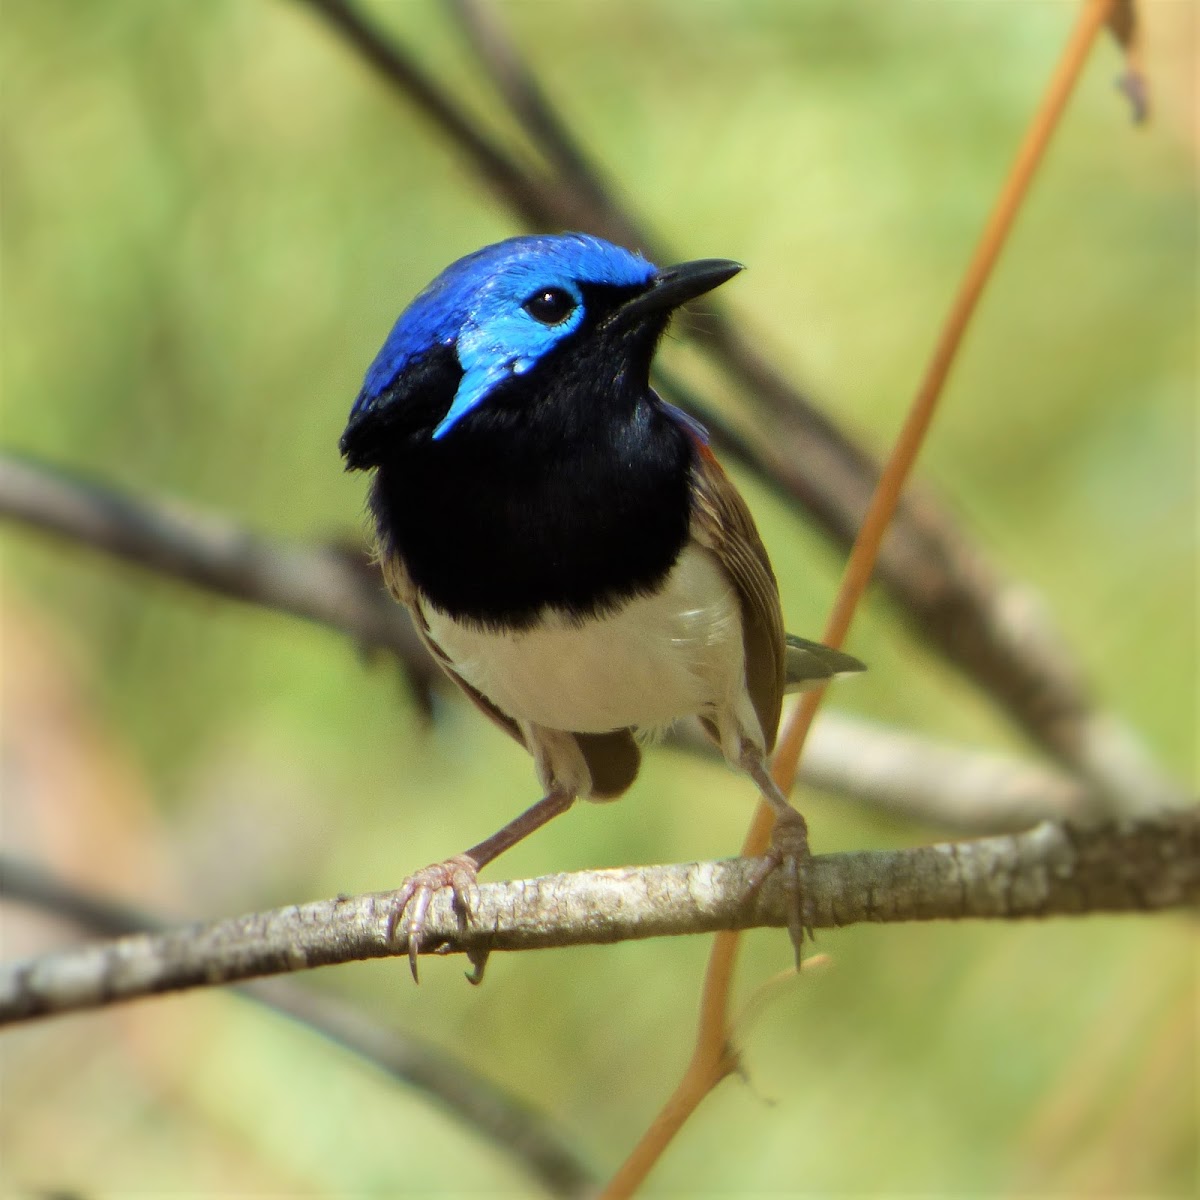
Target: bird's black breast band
x: 508, y: 516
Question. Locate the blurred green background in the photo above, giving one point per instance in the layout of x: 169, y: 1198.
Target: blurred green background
x: 211, y: 215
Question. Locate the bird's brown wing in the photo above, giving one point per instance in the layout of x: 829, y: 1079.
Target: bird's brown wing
x: 613, y: 758
x: 722, y: 522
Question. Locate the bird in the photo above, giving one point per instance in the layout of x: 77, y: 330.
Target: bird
x: 568, y: 546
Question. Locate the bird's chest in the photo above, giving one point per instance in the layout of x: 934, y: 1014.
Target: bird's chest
x: 497, y: 529
x: 655, y: 658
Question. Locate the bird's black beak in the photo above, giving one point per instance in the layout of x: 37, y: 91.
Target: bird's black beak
x: 677, y: 285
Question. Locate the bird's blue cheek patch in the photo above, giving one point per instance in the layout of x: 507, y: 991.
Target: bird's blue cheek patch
x: 492, y: 350
x: 476, y: 383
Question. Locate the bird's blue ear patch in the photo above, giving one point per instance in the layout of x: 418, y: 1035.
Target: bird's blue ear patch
x: 501, y: 338
x: 477, y: 381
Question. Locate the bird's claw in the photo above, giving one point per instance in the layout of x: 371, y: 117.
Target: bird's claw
x: 789, y: 854
x: 411, y: 902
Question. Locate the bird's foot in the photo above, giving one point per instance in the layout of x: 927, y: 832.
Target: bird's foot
x: 789, y: 854
x: 411, y: 902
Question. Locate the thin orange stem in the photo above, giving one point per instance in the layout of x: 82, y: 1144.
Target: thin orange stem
x: 887, y: 494
x: 713, y: 1057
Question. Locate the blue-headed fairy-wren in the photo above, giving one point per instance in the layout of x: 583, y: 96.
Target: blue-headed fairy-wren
x: 566, y: 542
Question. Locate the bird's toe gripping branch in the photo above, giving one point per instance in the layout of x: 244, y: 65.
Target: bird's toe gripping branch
x: 788, y: 853
x: 461, y: 873
x: 411, y: 904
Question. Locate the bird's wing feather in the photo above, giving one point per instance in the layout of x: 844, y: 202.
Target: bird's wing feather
x: 612, y: 758
x: 809, y: 664
x: 722, y: 522
x: 402, y: 587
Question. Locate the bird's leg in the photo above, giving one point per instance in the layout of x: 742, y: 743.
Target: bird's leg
x: 788, y: 850
x: 460, y: 872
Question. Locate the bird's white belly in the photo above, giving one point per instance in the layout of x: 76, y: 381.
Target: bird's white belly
x: 658, y: 658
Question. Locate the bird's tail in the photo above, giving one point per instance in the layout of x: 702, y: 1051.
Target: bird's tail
x: 808, y: 664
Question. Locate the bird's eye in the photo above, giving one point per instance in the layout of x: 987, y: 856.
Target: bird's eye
x: 551, y: 306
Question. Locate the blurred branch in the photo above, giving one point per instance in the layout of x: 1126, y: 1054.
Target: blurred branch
x: 915, y: 778
x: 990, y: 629
x: 327, y: 585
x: 520, y: 90
x: 954, y: 789
x: 199, y: 548
x: 505, y: 1120
x: 516, y: 182
x: 1053, y: 870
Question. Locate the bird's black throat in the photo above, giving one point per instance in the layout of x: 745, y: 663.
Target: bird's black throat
x: 567, y: 488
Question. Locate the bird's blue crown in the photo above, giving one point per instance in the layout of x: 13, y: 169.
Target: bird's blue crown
x: 500, y: 310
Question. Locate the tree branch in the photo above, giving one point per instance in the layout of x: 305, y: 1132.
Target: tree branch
x: 955, y: 789
x: 505, y: 1120
x: 1053, y: 870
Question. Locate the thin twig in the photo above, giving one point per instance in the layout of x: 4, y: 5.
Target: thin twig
x: 1053, y: 870
x: 710, y: 1059
x: 538, y: 117
x: 506, y: 1121
x: 954, y: 789
x: 516, y: 182
x: 911, y: 438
